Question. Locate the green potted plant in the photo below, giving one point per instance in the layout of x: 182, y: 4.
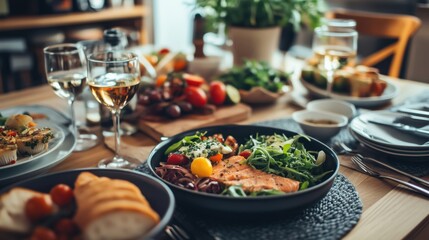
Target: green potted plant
x: 254, y: 26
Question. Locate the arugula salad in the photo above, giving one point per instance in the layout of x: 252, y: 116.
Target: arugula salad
x: 260, y: 166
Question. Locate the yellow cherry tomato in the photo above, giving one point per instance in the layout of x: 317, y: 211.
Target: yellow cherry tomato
x: 202, y: 167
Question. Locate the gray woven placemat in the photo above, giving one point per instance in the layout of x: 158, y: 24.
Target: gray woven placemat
x: 415, y: 168
x: 330, y: 218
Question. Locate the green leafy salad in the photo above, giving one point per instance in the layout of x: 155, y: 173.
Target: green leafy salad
x: 218, y: 165
x: 286, y: 157
x: 255, y: 74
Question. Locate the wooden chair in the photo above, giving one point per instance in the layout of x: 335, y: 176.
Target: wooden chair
x: 382, y: 25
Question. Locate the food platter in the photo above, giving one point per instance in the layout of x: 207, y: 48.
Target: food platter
x: 389, y: 93
x: 62, y: 149
x: 156, y: 193
x: 251, y: 205
x: 43, y: 164
x: 59, y: 137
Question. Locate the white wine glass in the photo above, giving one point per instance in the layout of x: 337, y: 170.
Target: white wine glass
x: 65, y: 68
x: 334, y: 48
x: 114, y: 78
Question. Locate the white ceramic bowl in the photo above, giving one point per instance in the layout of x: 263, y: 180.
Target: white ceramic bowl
x: 333, y: 106
x: 319, y: 131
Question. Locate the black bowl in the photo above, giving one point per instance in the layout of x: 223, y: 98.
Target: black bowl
x: 260, y: 205
x: 157, y: 193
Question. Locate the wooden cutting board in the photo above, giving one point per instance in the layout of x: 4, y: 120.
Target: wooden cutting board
x: 222, y: 115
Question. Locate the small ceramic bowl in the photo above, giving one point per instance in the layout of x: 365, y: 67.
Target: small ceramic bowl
x: 320, y: 125
x: 333, y: 106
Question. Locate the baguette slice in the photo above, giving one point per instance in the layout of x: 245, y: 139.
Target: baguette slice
x: 119, y: 225
x: 107, y: 196
x: 105, y: 184
x: 111, y: 209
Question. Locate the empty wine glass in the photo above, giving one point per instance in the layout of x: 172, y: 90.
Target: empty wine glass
x: 114, y: 79
x: 66, y: 73
x: 334, y: 48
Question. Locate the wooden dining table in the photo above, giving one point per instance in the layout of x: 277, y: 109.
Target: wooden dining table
x: 389, y: 210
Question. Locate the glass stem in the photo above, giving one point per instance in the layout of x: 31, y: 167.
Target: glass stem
x: 116, y: 126
x: 330, y: 81
x: 73, y: 118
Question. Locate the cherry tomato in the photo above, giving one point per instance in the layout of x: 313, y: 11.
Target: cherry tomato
x: 177, y: 159
x: 179, y: 64
x: 164, y: 51
x: 202, y: 167
x: 217, y: 92
x: 216, y: 158
x: 43, y: 233
x: 38, y: 207
x: 160, y: 80
x: 246, y: 153
x: 196, y: 96
x: 11, y: 133
x: 66, y: 226
x: 61, y: 194
x: 193, y: 80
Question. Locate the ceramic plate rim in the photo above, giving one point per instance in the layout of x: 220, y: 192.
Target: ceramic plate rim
x: 384, y: 143
x: 367, y: 101
x: 386, y: 151
x: 44, y: 163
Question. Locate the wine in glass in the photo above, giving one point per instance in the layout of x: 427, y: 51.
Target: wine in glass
x: 114, y: 79
x: 66, y: 73
x: 334, y: 48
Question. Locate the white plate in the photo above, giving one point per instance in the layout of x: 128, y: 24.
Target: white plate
x: 385, y: 135
x: 388, y: 151
x: 59, y: 137
x: 400, y: 156
x: 389, y: 93
x: 43, y: 164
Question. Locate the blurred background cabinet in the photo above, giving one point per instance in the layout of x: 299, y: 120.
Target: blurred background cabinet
x: 28, y: 26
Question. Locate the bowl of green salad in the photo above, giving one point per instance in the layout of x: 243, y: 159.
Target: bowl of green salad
x: 257, y: 82
x: 239, y: 170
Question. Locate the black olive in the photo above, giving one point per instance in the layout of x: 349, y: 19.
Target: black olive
x: 155, y: 96
x: 186, y: 107
x: 159, y: 108
x: 144, y: 100
x: 173, y: 111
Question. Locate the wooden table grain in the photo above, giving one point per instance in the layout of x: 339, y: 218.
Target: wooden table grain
x: 390, y: 212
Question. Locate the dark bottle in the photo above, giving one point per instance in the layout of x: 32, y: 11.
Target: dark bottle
x: 198, y: 36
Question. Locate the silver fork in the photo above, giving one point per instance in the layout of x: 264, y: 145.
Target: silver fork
x: 366, y: 169
x: 176, y: 233
x: 342, y: 148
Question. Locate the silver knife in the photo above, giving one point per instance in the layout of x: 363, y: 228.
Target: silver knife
x: 402, y: 127
x: 414, y: 112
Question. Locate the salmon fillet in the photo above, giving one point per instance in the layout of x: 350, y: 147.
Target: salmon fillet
x: 231, y: 172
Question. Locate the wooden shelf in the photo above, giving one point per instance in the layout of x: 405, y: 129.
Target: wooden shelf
x: 110, y: 14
